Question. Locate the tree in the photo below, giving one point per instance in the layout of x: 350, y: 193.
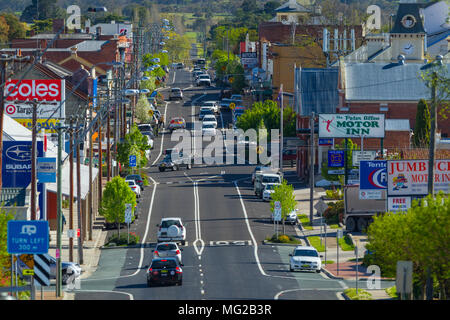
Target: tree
x: 142, y: 109
x: 421, y: 136
x: 420, y: 236
x: 341, y: 146
x: 4, y: 30
x: 16, y: 28
x: 115, y: 197
x: 42, y: 10
x: 134, y: 143
x: 284, y: 193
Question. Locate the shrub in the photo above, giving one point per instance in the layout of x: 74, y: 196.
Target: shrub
x: 334, y: 194
x: 362, y: 294
x: 335, y: 212
x: 122, y: 239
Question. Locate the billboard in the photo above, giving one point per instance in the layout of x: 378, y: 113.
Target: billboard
x: 49, y: 126
x: 351, y: 125
x: 249, y: 60
x: 358, y: 156
x: 372, y: 175
x: 40, y: 89
x: 336, y: 158
x: 410, y: 177
x: 25, y: 111
x: 399, y: 203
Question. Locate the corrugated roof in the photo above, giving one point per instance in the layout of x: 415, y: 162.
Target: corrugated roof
x: 89, y: 45
x: 381, y: 82
x: 318, y: 90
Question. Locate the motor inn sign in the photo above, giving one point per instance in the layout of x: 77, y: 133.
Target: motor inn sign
x: 351, y: 125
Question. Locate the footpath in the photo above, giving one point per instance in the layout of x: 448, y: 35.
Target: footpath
x: 347, y: 269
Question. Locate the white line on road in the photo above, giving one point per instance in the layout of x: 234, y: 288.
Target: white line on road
x: 162, y: 138
x: 110, y: 291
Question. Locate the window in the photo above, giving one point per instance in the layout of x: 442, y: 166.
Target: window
x: 166, y: 247
x: 305, y: 253
x: 160, y: 264
x: 168, y: 223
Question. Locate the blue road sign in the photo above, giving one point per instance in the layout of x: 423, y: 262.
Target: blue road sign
x: 336, y: 158
x: 27, y: 237
x: 326, y: 142
x: 372, y: 175
x: 46, y: 170
x: 132, y: 161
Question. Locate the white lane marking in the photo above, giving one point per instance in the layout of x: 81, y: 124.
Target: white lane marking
x: 162, y: 139
x: 110, y: 291
x: 255, y: 250
x: 221, y: 119
x: 174, y: 73
x: 306, y: 289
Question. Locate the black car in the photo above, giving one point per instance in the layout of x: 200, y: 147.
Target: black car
x: 137, y: 178
x: 174, y: 163
x: 165, y: 271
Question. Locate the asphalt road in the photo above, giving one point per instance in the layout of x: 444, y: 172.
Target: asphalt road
x: 224, y: 257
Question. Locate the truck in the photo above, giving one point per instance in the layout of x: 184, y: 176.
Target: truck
x: 358, y: 214
x: 262, y: 179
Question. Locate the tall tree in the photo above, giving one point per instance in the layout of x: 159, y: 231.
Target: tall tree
x: 421, y: 136
x: 42, y: 10
x: 16, y: 28
x: 4, y: 30
x: 284, y: 193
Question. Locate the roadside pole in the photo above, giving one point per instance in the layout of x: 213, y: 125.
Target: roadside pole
x: 311, y: 170
x: 59, y: 214
x: 80, y: 244
x: 356, y: 253
x: 4, y: 63
x: 71, y: 191
x: 100, y: 155
x: 33, y: 159
x: 325, y: 226
x: 91, y: 145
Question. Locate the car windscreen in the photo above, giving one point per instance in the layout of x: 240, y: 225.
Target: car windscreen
x: 164, y: 264
x: 145, y: 128
x: 168, y: 223
x: 270, y: 186
x: 206, y: 111
x: 166, y: 247
x: 271, y: 180
x: 130, y: 183
x: 305, y: 253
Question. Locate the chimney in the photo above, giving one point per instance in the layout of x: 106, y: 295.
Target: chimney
x: 98, y: 32
x: 73, y: 50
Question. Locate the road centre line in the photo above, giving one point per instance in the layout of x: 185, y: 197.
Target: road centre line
x: 162, y: 139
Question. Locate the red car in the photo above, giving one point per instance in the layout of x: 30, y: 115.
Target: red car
x: 290, y: 154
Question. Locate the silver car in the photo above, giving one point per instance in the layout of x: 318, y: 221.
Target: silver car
x: 167, y: 250
x: 176, y: 93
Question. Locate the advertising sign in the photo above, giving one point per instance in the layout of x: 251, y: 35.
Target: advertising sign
x: 249, y: 60
x: 16, y: 165
x: 410, y: 177
x: 48, y: 126
x: 25, y: 111
x: 46, y: 170
x: 326, y: 142
x: 336, y: 158
x: 40, y: 89
x: 27, y: 237
x: 372, y: 175
x: 358, y: 156
x: 370, y: 194
x: 399, y: 203
x: 351, y: 125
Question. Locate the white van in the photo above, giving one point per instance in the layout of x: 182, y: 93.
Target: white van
x: 262, y: 179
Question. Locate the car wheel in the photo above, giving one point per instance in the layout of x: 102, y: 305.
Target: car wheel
x: 149, y: 283
x: 174, y: 168
x: 183, y: 242
x: 291, y: 270
x: 161, y: 169
x: 189, y: 166
x: 318, y: 271
x: 180, y: 282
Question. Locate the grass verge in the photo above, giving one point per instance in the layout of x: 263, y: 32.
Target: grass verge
x: 305, y: 221
x: 346, y: 243
x: 362, y: 294
x: 283, y: 239
x: 392, y: 292
x: 315, y: 242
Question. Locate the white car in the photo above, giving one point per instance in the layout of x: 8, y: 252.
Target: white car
x: 211, y: 104
x: 208, y: 130
x: 134, y: 187
x: 268, y: 190
x: 305, y: 258
x: 204, y: 79
x: 167, y: 249
x: 171, y: 229
x: 209, y: 119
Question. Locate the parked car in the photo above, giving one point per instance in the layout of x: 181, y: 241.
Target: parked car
x: 171, y: 229
x: 180, y: 65
x: 209, y: 119
x: 305, y: 258
x: 236, y: 97
x: 176, y: 93
x: 176, y: 123
x: 137, y: 178
x: 290, y: 154
x: 164, y: 270
x: 145, y: 128
x: 259, y: 169
x: 167, y: 250
x: 225, y: 103
x: 134, y: 187
x: 269, y: 188
x: 68, y: 269
x: 292, y: 218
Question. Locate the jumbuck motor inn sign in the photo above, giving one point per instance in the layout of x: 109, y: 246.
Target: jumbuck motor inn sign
x: 410, y: 177
x: 351, y: 125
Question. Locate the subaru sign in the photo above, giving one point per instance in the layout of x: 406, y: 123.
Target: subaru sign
x: 16, y: 167
x: 373, y: 175
x: 27, y: 237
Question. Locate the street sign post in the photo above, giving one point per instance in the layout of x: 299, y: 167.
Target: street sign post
x: 128, y: 218
x: 132, y: 161
x: 403, y: 280
x: 277, y: 214
x: 338, y: 236
x: 336, y: 158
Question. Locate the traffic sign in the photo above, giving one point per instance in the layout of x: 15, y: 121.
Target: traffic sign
x: 132, y: 161
x: 277, y: 211
x: 259, y: 150
x: 232, y: 106
x: 358, y: 156
x: 27, y: 237
x: 336, y: 158
x: 321, y: 206
x: 28, y: 272
x: 42, y: 269
x: 339, y: 233
x: 128, y: 213
x: 326, y: 142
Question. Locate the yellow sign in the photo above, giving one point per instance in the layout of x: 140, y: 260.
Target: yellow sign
x: 150, y: 113
x: 232, y: 106
x: 230, y: 80
x: 259, y: 150
x: 28, y: 259
x: 48, y: 126
x: 28, y: 272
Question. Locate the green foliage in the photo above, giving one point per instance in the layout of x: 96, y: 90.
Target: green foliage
x: 335, y: 194
x: 142, y: 109
x: 116, y: 195
x: 285, y: 194
x: 439, y: 77
x: 315, y: 242
x: 5, y: 257
x: 269, y: 113
x: 362, y: 294
x: 420, y: 236
x: 335, y: 212
x: 421, y: 136
x: 16, y: 28
x: 283, y: 238
x: 346, y: 243
x: 42, y: 10
x: 133, y: 144
x: 41, y: 26
x: 178, y: 47
x: 304, y: 220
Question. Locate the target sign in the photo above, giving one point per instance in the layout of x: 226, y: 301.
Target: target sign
x: 10, y: 109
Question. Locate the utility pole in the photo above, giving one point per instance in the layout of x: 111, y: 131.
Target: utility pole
x: 281, y: 129
x: 434, y: 79
x: 4, y: 64
x: 91, y: 146
x: 33, y: 159
x: 71, y: 189
x: 100, y: 156
x: 59, y: 214
x: 311, y: 169
x: 80, y: 242
x: 108, y: 139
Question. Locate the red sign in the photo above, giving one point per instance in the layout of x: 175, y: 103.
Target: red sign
x: 78, y: 233
x: 40, y: 89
